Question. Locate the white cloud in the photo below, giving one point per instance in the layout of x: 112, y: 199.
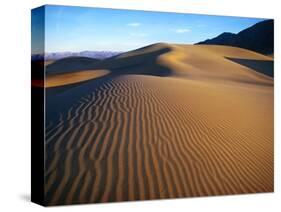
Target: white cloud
x: 182, y: 30
x: 134, y: 24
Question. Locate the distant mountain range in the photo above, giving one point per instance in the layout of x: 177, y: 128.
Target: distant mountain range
x: 59, y: 55
x: 258, y: 38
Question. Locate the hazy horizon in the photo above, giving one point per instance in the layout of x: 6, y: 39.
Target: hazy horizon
x: 76, y: 29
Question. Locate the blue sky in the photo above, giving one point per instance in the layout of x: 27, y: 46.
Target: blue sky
x: 80, y: 28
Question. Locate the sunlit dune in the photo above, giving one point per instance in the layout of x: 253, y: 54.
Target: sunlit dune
x: 211, y: 63
x: 168, y: 121
x: 69, y: 78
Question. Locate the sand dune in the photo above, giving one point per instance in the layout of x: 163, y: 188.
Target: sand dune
x: 167, y: 121
x: 57, y: 80
x: 70, y: 78
x: 208, y: 62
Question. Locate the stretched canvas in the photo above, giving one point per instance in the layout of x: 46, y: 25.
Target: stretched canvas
x: 140, y: 105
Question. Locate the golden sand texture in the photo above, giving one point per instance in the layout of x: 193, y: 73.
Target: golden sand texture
x: 75, y: 77
x: 205, y: 129
x: 69, y: 78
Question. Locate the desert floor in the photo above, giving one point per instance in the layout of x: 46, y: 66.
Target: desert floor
x: 163, y: 121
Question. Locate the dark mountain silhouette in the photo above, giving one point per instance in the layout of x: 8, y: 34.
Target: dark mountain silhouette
x: 258, y: 38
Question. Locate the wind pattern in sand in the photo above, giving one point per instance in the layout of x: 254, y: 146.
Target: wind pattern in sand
x: 200, y: 131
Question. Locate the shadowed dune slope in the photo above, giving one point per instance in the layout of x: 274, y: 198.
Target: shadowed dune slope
x: 204, y: 127
x: 262, y: 66
x: 70, y: 64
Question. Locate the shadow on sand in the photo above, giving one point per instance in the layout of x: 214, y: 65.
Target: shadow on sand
x: 262, y: 66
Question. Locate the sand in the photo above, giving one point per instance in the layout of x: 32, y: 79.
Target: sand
x: 168, y: 121
x: 57, y: 80
x: 71, y: 78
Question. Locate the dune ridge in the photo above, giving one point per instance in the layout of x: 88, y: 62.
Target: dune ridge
x: 208, y: 62
x: 203, y: 127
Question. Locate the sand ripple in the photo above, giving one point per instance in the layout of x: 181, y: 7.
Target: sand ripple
x: 142, y: 137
